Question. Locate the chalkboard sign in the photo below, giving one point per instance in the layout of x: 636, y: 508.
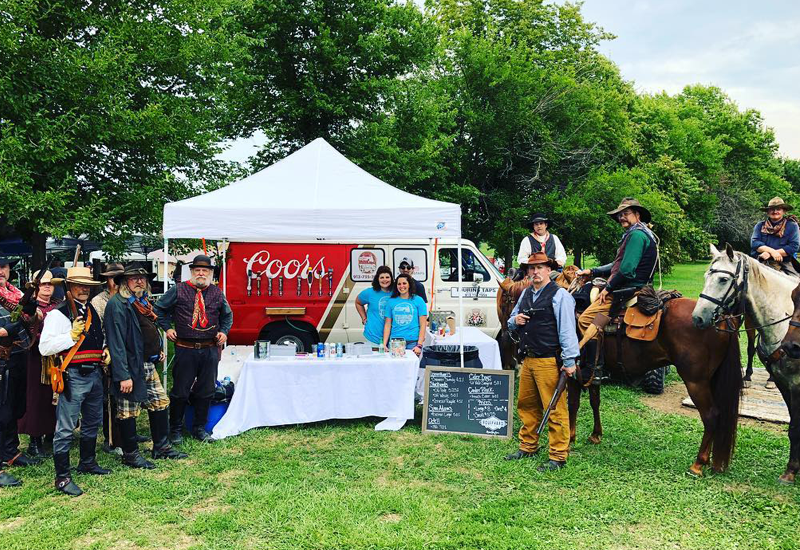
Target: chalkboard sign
x: 468, y: 401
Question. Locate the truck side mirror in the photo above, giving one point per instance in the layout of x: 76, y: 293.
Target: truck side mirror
x: 477, y: 278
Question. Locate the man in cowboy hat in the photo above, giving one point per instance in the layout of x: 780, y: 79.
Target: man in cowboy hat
x: 80, y: 335
x: 544, y: 319
x: 14, y: 342
x: 111, y: 435
x: 135, y: 346
x: 777, y: 238
x: 632, y: 268
x: 541, y: 240
x: 202, y: 320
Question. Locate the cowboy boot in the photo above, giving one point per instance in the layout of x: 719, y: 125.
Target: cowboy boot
x: 88, y: 463
x: 177, y: 408
x: 594, y: 361
x: 199, y: 432
x: 36, y: 447
x: 64, y: 481
x: 130, y: 448
x: 11, y: 453
x: 159, y: 428
x: 7, y: 480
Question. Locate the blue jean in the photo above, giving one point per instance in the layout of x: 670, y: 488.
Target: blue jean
x: 85, y: 400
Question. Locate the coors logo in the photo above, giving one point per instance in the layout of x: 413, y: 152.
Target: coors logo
x: 261, y: 261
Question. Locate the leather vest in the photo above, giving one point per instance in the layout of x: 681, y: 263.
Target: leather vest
x: 540, y: 333
x: 150, y: 336
x: 184, y: 307
x: 549, y: 246
x: 92, y: 346
x: 646, y: 268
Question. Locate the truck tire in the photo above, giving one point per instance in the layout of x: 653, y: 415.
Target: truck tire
x: 653, y: 381
x: 280, y: 333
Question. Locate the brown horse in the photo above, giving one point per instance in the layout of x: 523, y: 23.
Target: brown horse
x: 707, y: 360
x: 785, y: 369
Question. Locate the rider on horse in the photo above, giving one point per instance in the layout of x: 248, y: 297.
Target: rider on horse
x: 632, y: 268
x: 541, y: 240
x: 777, y: 238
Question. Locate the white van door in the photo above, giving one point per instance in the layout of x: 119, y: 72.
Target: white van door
x: 479, y: 288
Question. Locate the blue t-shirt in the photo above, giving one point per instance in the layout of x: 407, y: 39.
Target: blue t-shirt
x: 405, y: 314
x: 375, y: 302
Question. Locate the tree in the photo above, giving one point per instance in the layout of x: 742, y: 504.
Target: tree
x: 108, y: 110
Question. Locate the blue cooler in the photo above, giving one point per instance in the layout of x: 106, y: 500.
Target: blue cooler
x: 215, y: 412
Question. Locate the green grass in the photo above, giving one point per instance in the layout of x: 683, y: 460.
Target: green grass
x: 340, y: 484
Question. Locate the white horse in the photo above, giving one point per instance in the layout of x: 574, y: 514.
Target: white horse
x: 736, y: 284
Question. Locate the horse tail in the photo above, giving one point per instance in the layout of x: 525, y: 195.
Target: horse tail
x: 726, y: 389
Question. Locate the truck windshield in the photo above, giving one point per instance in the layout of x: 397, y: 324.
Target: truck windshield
x: 470, y: 265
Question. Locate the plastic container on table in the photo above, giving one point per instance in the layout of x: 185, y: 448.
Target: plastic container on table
x: 449, y: 356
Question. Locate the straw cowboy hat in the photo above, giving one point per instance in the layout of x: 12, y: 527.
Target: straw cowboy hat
x: 777, y: 202
x: 46, y: 278
x: 633, y: 204
x: 81, y: 276
x: 539, y: 258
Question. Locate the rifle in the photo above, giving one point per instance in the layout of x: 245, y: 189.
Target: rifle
x: 560, y: 387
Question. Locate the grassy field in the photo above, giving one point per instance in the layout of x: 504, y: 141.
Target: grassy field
x: 340, y: 484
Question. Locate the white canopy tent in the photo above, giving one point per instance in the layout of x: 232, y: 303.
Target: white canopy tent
x: 313, y: 194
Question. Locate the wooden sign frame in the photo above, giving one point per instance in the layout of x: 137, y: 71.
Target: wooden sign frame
x: 509, y: 429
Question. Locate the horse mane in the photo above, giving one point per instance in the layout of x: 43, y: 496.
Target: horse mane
x: 762, y: 273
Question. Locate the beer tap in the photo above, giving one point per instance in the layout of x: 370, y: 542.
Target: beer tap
x: 330, y: 281
x: 258, y: 283
x: 310, y: 282
x: 299, y: 286
x: 269, y: 285
x: 280, y: 285
x: 249, y: 282
x: 321, y: 277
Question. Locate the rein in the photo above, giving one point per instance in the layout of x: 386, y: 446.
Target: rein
x: 732, y: 294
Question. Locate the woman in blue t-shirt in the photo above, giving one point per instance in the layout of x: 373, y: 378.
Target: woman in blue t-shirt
x: 406, y: 315
x: 371, y: 304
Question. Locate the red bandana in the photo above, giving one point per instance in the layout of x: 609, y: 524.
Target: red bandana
x: 11, y: 293
x: 199, y: 313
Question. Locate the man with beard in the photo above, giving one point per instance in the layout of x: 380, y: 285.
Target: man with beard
x: 202, y: 319
x: 632, y: 268
x: 78, y: 338
x: 135, y: 346
x: 14, y: 342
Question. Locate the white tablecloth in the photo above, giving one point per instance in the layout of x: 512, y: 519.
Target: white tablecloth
x: 488, y: 350
x: 300, y: 390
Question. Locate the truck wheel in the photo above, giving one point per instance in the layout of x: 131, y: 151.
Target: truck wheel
x: 284, y: 334
x: 653, y: 381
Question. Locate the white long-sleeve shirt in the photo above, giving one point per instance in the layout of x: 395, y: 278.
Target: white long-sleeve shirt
x: 525, y: 250
x: 55, y: 336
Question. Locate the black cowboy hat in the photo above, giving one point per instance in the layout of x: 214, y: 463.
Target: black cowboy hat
x: 633, y: 204
x: 201, y: 260
x: 537, y: 217
x: 135, y: 268
x: 8, y: 262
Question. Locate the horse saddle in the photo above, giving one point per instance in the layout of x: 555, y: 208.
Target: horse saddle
x: 641, y: 314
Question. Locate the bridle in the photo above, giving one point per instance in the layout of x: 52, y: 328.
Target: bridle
x: 731, y: 302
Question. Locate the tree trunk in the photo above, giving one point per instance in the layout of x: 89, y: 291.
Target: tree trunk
x: 38, y: 243
x: 578, y: 257
x: 508, y: 259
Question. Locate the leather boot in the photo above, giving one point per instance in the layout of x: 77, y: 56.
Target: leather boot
x: 130, y: 448
x: 64, y: 481
x: 21, y: 460
x: 201, y: 407
x: 36, y: 447
x: 7, y: 480
x: 88, y: 464
x: 159, y: 428
x: 177, y: 408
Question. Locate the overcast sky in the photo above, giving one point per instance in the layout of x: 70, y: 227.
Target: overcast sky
x: 750, y: 49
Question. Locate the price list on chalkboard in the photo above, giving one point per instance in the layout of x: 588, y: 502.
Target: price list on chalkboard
x: 468, y: 401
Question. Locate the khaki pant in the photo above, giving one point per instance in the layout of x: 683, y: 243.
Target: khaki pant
x: 588, y: 330
x: 538, y: 379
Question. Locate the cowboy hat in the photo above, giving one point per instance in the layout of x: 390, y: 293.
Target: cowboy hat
x: 132, y: 269
x: 777, y: 202
x: 112, y: 270
x: 538, y: 258
x: 537, y: 217
x: 201, y: 260
x: 7, y: 262
x: 81, y: 276
x: 47, y: 277
x: 633, y: 204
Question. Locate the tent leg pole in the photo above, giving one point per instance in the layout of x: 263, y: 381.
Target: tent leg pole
x: 460, y: 305
x: 166, y: 287
x: 224, y: 267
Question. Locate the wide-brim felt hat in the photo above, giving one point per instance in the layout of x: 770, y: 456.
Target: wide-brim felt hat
x: 112, y: 270
x: 201, y: 260
x: 777, y: 202
x: 539, y: 258
x: 135, y: 268
x: 537, y: 217
x: 633, y: 204
x: 46, y: 278
x: 8, y: 262
x: 81, y: 276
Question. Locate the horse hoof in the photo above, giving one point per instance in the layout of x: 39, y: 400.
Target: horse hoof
x: 695, y: 471
x: 786, y: 479
x: 595, y: 439
x: 746, y: 384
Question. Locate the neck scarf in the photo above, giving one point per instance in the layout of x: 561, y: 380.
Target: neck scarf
x: 143, y: 306
x: 776, y: 229
x: 542, y: 240
x: 199, y: 312
x: 11, y: 293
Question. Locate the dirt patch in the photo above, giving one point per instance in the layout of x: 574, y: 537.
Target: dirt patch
x: 674, y: 394
x: 12, y: 524
x: 227, y: 477
x: 210, y: 506
x: 390, y: 518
